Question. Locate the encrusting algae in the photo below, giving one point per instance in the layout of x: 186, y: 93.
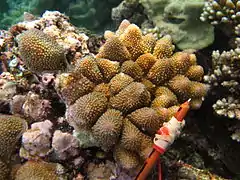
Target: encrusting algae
x: 128, y: 90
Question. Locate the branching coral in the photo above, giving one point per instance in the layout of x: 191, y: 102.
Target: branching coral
x: 142, y: 92
x: 224, y: 76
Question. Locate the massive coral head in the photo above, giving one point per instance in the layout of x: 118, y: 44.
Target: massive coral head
x: 40, y: 52
x: 132, y: 86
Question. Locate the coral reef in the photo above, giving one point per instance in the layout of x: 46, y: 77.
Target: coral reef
x: 120, y: 93
x: 40, y: 170
x: 124, y: 93
x: 40, y: 52
x: 187, y: 171
x: 180, y: 19
x: 224, y: 76
x: 57, y: 26
x: 220, y: 11
x: 101, y: 171
x: 7, y: 88
x: 12, y: 127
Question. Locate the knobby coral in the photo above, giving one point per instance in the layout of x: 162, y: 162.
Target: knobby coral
x: 128, y: 90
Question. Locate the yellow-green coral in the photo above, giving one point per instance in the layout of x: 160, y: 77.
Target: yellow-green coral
x: 131, y: 136
x: 146, y: 61
x: 146, y: 119
x: 108, y: 68
x: 127, y: 159
x: 132, y: 69
x: 135, y: 79
x: 114, y: 50
x: 11, y: 129
x: 119, y: 82
x: 87, y: 109
x: 108, y: 128
x: 73, y: 86
x: 89, y: 68
x: 195, y: 73
x: 38, y: 170
x: 40, y: 52
x: 132, y: 97
x: 132, y: 40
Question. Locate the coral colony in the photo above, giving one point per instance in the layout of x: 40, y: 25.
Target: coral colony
x: 69, y: 113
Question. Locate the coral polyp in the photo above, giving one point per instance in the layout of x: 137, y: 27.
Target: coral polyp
x: 137, y: 83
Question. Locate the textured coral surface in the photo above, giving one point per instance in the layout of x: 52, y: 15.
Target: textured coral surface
x: 11, y: 128
x: 34, y: 170
x: 40, y: 52
x: 128, y: 90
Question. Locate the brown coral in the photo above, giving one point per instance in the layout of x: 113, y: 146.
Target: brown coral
x: 146, y: 119
x: 127, y: 159
x: 33, y: 170
x: 108, y: 128
x: 195, y: 73
x: 132, y: 97
x: 73, y: 86
x: 11, y: 129
x: 132, y: 40
x: 87, y: 109
x: 40, y: 52
x: 4, y: 171
x: 114, y: 50
x: 136, y: 79
x: 88, y: 67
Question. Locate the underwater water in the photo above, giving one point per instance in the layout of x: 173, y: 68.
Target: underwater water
x: 119, y: 89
